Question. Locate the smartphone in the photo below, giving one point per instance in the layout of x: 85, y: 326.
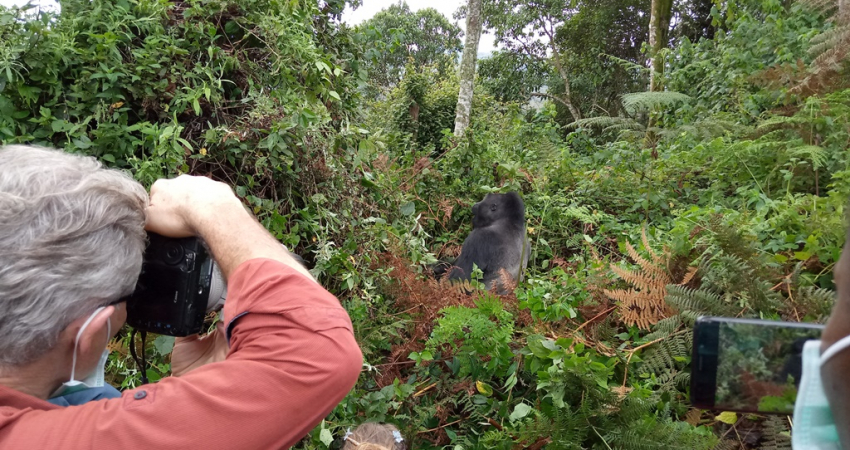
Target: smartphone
x: 748, y: 365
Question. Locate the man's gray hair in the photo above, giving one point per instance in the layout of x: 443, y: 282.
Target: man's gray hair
x: 71, y: 239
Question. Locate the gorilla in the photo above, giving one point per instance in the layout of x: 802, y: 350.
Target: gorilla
x: 793, y: 363
x: 497, y: 242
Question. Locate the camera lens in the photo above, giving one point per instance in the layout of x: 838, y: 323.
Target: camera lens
x: 172, y: 253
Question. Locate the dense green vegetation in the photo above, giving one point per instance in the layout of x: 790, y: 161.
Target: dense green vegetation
x: 721, y: 194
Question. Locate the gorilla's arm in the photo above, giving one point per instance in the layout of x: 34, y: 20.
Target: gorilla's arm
x: 478, y: 248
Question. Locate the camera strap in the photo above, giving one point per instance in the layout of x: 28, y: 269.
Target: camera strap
x: 141, y: 364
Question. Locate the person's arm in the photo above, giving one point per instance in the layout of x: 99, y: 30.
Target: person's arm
x: 834, y: 373
x: 198, y: 206
x: 293, y: 357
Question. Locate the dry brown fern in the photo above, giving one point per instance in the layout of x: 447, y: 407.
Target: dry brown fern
x: 643, y: 305
x: 830, y: 49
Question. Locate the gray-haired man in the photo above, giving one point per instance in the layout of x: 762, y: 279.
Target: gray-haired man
x: 72, y: 236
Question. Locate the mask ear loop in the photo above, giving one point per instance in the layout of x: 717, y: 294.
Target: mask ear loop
x: 834, y: 349
x: 77, y: 339
x: 108, y: 332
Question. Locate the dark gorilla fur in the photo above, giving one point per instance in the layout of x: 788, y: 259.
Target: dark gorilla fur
x: 495, y: 243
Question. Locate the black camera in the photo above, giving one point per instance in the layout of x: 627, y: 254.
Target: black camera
x: 179, y: 284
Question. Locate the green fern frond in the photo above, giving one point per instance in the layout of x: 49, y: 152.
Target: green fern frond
x: 697, y: 302
x: 664, y: 327
x: 728, y: 444
x: 828, y: 39
x: 816, y: 294
x: 711, y: 127
x: 829, y: 57
x: 548, y: 153
x: 815, y: 302
x: 632, y: 135
x: 822, y: 6
x: 626, y: 64
x: 817, y: 155
x: 608, y: 123
x: 776, y: 436
x: 649, y: 101
x: 778, y: 121
x: 581, y: 213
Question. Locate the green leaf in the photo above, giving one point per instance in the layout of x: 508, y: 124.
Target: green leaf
x: 408, y: 209
x: 511, y: 382
x: 326, y: 437
x: 83, y: 142
x: 451, y: 434
x: 322, y: 66
x: 802, y: 256
x: 164, y: 344
x: 728, y: 417
x: 484, y: 388
x: 153, y: 375
x: 231, y: 27
x: 335, y: 95
x: 368, y: 183
x: 521, y: 410
x: 57, y: 125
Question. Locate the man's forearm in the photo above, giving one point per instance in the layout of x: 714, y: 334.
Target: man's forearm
x: 188, y: 205
x: 234, y: 236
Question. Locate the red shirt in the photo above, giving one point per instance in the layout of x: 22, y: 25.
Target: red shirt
x: 292, y: 358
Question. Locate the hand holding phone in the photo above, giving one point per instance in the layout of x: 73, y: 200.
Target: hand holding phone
x: 748, y: 365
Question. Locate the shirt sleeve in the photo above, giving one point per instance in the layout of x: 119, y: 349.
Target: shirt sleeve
x: 293, y: 357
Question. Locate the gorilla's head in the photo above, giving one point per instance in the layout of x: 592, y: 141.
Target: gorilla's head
x: 505, y: 208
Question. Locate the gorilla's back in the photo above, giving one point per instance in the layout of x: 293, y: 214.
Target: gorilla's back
x: 497, y: 242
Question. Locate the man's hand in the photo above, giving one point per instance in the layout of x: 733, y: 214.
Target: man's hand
x: 179, y: 206
x: 198, y: 206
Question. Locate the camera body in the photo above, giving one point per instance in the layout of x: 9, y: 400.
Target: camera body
x: 172, y: 295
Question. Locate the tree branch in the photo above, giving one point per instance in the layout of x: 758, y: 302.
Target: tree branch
x: 550, y: 96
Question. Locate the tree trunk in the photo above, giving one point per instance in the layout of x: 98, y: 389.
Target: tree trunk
x: 659, y: 25
x: 568, y: 98
x: 467, y: 67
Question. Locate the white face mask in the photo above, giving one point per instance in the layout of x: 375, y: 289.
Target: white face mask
x: 814, y: 426
x: 97, y: 377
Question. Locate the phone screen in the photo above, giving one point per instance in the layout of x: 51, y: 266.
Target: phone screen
x: 748, y: 365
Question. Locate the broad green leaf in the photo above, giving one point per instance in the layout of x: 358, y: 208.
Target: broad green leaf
x: 484, y: 388
x: 802, y: 256
x: 326, y: 437
x: 521, y: 410
x: 83, y: 143
x: 728, y: 417
x: 164, y: 344
x: 408, y: 209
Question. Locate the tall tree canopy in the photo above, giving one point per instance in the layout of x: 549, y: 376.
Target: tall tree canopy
x: 603, y: 42
x: 562, y: 44
x: 397, y: 34
x: 529, y: 27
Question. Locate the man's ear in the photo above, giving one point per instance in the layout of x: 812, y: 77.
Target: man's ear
x: 94, y: 336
